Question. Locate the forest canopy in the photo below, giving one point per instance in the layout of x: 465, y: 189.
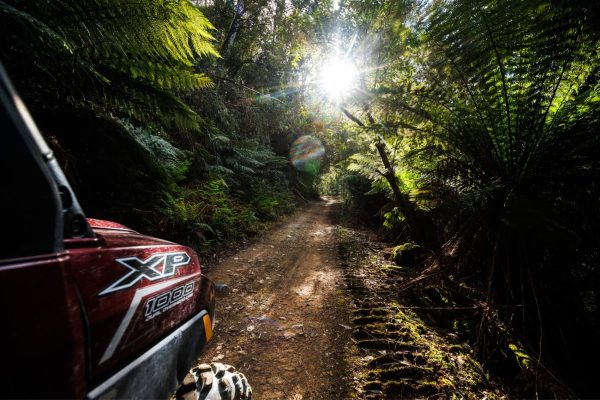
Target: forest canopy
x: 469, y: 129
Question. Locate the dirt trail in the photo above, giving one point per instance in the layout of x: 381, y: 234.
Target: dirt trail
x: 285, y: 323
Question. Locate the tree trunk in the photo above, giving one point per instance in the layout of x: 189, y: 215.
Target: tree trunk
x: 390, y: 175
x: 420, y: 225
x: 234, y: 27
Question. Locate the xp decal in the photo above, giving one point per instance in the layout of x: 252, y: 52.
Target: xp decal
x: 155, y: 267
x: 167, y: 300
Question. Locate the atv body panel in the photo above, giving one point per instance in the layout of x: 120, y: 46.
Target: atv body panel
x: 91, y: 308
x: 135, y: 291
x: 42, y: 337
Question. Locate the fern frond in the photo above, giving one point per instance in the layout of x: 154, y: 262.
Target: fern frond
x: 150, y: 48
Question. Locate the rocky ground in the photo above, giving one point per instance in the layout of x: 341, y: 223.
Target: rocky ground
x: 313, y: 314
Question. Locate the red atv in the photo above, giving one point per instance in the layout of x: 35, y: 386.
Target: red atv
x: 90, y: 308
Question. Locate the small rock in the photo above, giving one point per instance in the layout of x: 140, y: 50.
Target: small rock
x: 288, y: 335
x: 250, y: 328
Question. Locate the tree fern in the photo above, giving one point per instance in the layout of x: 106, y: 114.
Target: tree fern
x: 113, y: 55
x: 505, y: 97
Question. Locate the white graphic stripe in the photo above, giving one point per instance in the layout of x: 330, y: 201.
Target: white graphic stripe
x: 137, y: 298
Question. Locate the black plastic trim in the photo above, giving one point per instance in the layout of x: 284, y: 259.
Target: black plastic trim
x: 155, y: 373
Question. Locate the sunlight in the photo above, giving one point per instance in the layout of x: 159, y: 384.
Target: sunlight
x: 338, y: 78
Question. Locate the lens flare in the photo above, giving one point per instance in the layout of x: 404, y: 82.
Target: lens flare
x: 338, y: 79
x: 307, y: 154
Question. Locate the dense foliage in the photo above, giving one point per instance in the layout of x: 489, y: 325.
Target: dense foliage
x: 490, y: 112
x: 160, y: 118
x: 472, y: 130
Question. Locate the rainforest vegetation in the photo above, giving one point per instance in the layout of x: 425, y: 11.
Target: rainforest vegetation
x: 465, y: 132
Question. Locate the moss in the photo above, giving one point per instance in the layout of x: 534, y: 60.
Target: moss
x: 445, y: 383
x: 521, y: 355
x: 408, y: 358
x: 407, y: 254
x: 428, y: 388
x: 402, y: 387
x: 386, y: 359
x: 405, y: 247
x: 390, y: 269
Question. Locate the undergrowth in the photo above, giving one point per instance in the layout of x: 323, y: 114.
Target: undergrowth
x: 420, y: 343
x: 211, y: 214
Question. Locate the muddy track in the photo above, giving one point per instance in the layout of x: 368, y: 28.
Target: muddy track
x: 285, y: 322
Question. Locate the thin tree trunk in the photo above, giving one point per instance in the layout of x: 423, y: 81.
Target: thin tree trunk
x: 389, y: 174
x: 420, y: 225
x: 234, y: 27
